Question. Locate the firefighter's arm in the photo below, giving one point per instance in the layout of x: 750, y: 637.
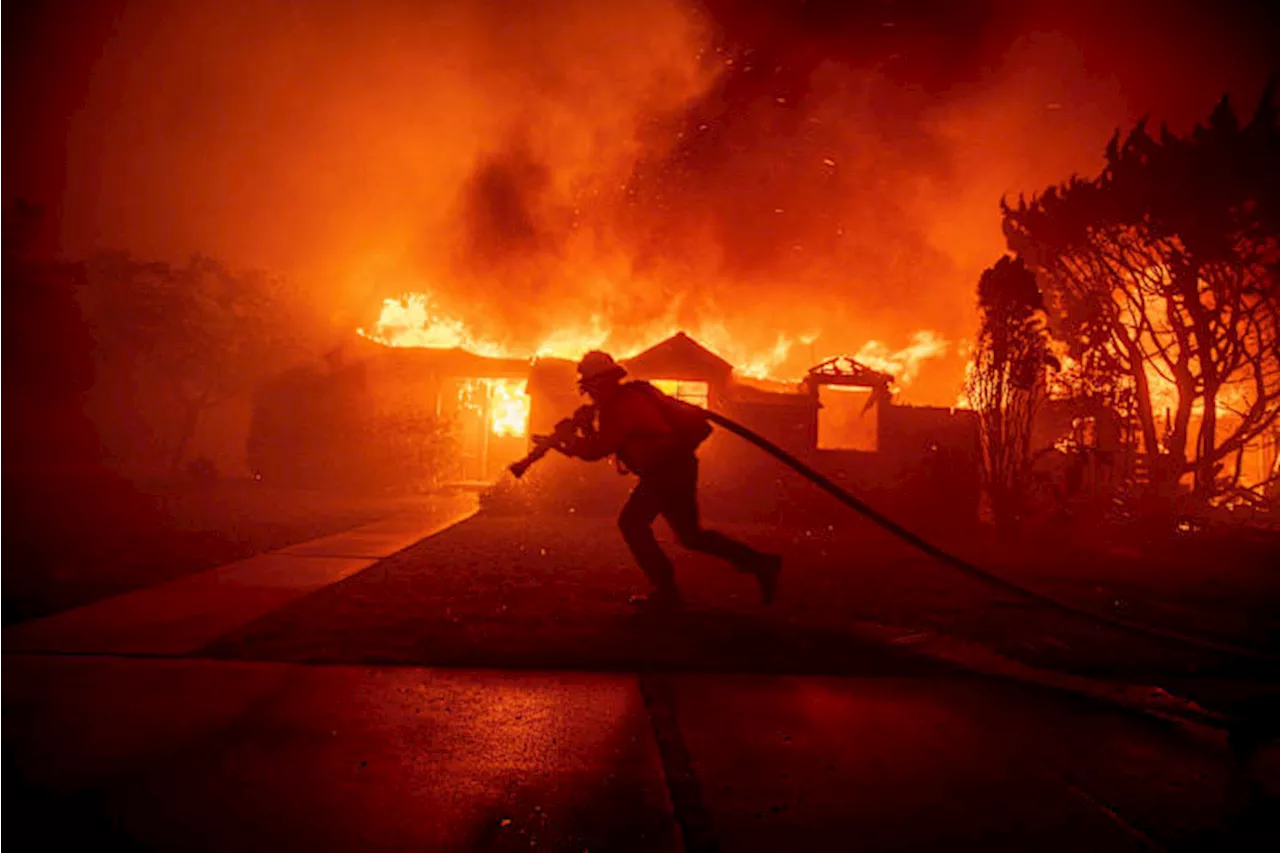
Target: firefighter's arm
x: 565, y: 431
x: 591, y: 444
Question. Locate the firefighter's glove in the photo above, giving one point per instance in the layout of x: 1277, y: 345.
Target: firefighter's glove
x: 565, y: 432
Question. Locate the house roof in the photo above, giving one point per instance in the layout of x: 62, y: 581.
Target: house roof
x: 455, y: 362
x: 750, y: 396
x: 843, y: 370
x: 553, y: 375
x: 679, y: 357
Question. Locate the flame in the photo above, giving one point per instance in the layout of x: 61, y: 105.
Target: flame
x: 904, y: 364
x: 506, y: 400
x: 413, y: 320
x: 747, y: 361
x: 508, y: 407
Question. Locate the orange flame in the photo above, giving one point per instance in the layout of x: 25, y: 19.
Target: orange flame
x: 505, y: 400
x: 508, y: 407
x: 413, y: 321
x: 904, y: 364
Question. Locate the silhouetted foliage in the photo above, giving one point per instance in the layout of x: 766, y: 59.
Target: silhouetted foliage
x: 1162, y: 277
x: 183, y: 339
x: 1006, y: 382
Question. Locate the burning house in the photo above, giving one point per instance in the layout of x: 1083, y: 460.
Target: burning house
x: 481, y: 409
x: 842, y: 420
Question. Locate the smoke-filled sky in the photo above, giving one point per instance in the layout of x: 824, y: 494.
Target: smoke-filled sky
x: 787, y: 168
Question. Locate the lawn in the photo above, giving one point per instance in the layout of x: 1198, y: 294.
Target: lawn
x: 544, y: 591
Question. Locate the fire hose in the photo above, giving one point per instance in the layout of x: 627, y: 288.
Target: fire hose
x: 544, y: 444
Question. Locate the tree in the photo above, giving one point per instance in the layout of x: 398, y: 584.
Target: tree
x: 1006, y: 381
x: 1163, y: 272
x: 188, y: 337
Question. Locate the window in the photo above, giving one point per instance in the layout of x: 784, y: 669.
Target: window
x: 844, y: 421
x: 696, y: 393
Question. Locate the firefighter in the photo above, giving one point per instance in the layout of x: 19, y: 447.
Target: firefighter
x: 656, y: 437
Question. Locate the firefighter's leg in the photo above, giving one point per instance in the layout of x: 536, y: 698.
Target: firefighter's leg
x: 679, y: 506
x: 636, y: 524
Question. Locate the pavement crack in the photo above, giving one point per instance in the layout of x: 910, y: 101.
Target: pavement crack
x: 1145, y: 840
x: 683, y: 785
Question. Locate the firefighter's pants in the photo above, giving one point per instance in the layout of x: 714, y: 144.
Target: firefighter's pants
x: 671, y: 490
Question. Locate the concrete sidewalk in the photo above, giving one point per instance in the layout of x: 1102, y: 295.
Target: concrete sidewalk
x: 181, y: 616
x: 212, y: 755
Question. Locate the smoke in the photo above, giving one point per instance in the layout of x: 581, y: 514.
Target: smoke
x: 786, y: 169
x: 502, y: 216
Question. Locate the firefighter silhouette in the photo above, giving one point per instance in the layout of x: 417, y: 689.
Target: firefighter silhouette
x: 656, y: 437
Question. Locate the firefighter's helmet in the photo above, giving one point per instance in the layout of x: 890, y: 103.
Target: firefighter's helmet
x: 597, y: 366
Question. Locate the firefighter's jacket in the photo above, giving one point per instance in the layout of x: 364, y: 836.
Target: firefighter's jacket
x: 634, y: 427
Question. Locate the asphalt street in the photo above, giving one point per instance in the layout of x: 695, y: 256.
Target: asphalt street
x: 479, y: 690
x: 193, y: 754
